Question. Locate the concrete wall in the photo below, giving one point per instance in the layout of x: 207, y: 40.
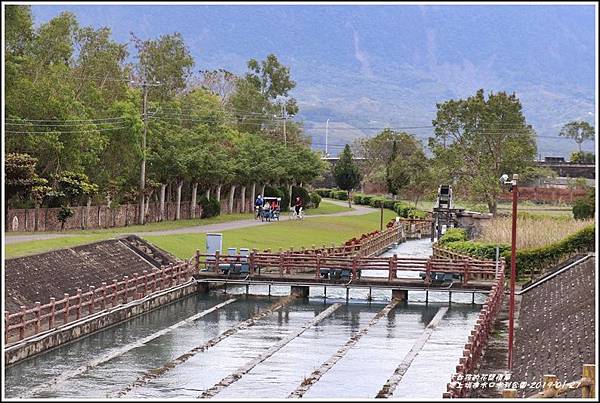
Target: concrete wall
x: 72, y: 331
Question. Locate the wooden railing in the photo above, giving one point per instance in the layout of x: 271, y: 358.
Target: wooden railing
x: 552, y: 387
x: 289, y: 264
x: 33, y: 320
x: 477, y: 341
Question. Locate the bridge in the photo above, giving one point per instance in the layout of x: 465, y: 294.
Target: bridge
x: 356, y: 265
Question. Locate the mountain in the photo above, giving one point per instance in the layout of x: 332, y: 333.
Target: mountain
x: 365, y: 67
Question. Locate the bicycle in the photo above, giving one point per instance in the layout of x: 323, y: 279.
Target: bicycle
x: 297, y: 216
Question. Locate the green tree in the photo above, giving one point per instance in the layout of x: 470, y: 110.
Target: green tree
x: 583, y: 157
x: 579, y: 131
x: 346, y: 173
x: 166, y: 60
x: 478, y: 139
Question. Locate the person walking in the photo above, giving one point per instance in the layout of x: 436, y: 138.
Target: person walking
x: 258, y: 205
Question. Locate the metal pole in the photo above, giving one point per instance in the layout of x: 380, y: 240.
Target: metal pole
x: 513, y: 270
x: 381, y: 219
x: 143, y: 170
x: 326, y: 137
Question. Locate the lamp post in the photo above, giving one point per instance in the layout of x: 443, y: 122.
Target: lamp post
x: 513, y: 269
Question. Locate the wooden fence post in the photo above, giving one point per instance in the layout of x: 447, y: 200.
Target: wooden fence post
x: 509, y: 393
x: 197, y: 260
x: 78, y: 303
x: 145, y: 274
x: 37, y: 316
x: 52, y: 312
x: 136, y: 282
x: 66, y: 308
x: 125, y: 288
x: 22, y: 328
x: 115, y: 294
x: 103, y: 303
x: 589, y: 372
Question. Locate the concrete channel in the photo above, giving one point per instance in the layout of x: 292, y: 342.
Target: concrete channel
x: 264, y: 345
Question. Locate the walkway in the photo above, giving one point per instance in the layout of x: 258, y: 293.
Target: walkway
x: 198, y: 229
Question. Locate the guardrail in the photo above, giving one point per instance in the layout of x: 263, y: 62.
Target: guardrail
x: 57, y: 313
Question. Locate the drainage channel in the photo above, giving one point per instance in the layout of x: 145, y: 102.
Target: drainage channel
x: 260, y: 347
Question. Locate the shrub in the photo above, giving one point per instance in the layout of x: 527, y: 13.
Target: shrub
x: 366, y: 200
x: 532, y: 260
x: 64, y: 214
x: 340, y: 194
x: 323, y: 192
x: 453, y: 235
x: 402, y: 209
x: 377, y: 201
x: 210, y: 207
x: 357, y: 198
x: 389, y: 204
x: 298, y: 191
x: 315, y: 199
x: 583, y: 208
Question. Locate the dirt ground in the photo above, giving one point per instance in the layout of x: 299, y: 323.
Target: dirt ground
x: 39, y: 277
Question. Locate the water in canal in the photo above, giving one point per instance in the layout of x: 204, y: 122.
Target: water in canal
x: 359, y: 374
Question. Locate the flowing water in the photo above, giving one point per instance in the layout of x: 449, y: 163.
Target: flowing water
x: 359, y: 374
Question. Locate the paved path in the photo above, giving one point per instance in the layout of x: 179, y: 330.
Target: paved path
x: 358, y: 210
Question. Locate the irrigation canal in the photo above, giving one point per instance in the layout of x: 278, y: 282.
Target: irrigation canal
x: 253, y: 346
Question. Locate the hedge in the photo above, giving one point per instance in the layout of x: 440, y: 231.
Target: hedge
x: 402, y: 209
x: 533, y: 260
x: 323, y: 192
x: 315, y: 199
x: 453, y: 235
x: 340, y: 194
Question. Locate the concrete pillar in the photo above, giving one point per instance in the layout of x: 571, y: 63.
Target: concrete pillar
x: 300, y: 291
x: 202, y: 288
x: 402, y: 295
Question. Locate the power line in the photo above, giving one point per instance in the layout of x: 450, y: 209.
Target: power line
x: 63, y: 120
x: 70, y: 132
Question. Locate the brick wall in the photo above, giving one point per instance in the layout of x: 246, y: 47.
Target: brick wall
x: 96, y: 217
x: 543, y: 194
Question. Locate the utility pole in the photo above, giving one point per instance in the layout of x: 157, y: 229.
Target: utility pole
x: 284, y: 114
x: 145, y: 86
x: 143, y: 170
x: 326, y: 137
x: 513, y: 269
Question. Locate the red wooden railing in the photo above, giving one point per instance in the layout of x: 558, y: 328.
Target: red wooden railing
x: 74, y: 307
x: 478, y: 339
x: 288, y: 264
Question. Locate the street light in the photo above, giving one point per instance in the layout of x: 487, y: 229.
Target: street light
x: 513, y: 264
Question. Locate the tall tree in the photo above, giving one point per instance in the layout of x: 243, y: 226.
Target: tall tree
x: 478, y: 139
x: 166, y: 60
x: 346, y: 173
x: 579, y: 131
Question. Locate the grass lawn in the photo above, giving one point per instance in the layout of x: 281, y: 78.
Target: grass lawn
x: 155, y: 226
x: 284, y: 234
x: 88, y: 236
x: 326, y: 207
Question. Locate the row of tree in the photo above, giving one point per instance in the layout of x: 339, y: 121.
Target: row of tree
x: 476, y: 140
x: 75, y: 109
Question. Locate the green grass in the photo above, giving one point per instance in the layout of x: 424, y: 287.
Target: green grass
x: 155, y: 226
x: 326, y: 207
x: 32, y: 247
x: 87, y: 236
x: 284, y: 234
